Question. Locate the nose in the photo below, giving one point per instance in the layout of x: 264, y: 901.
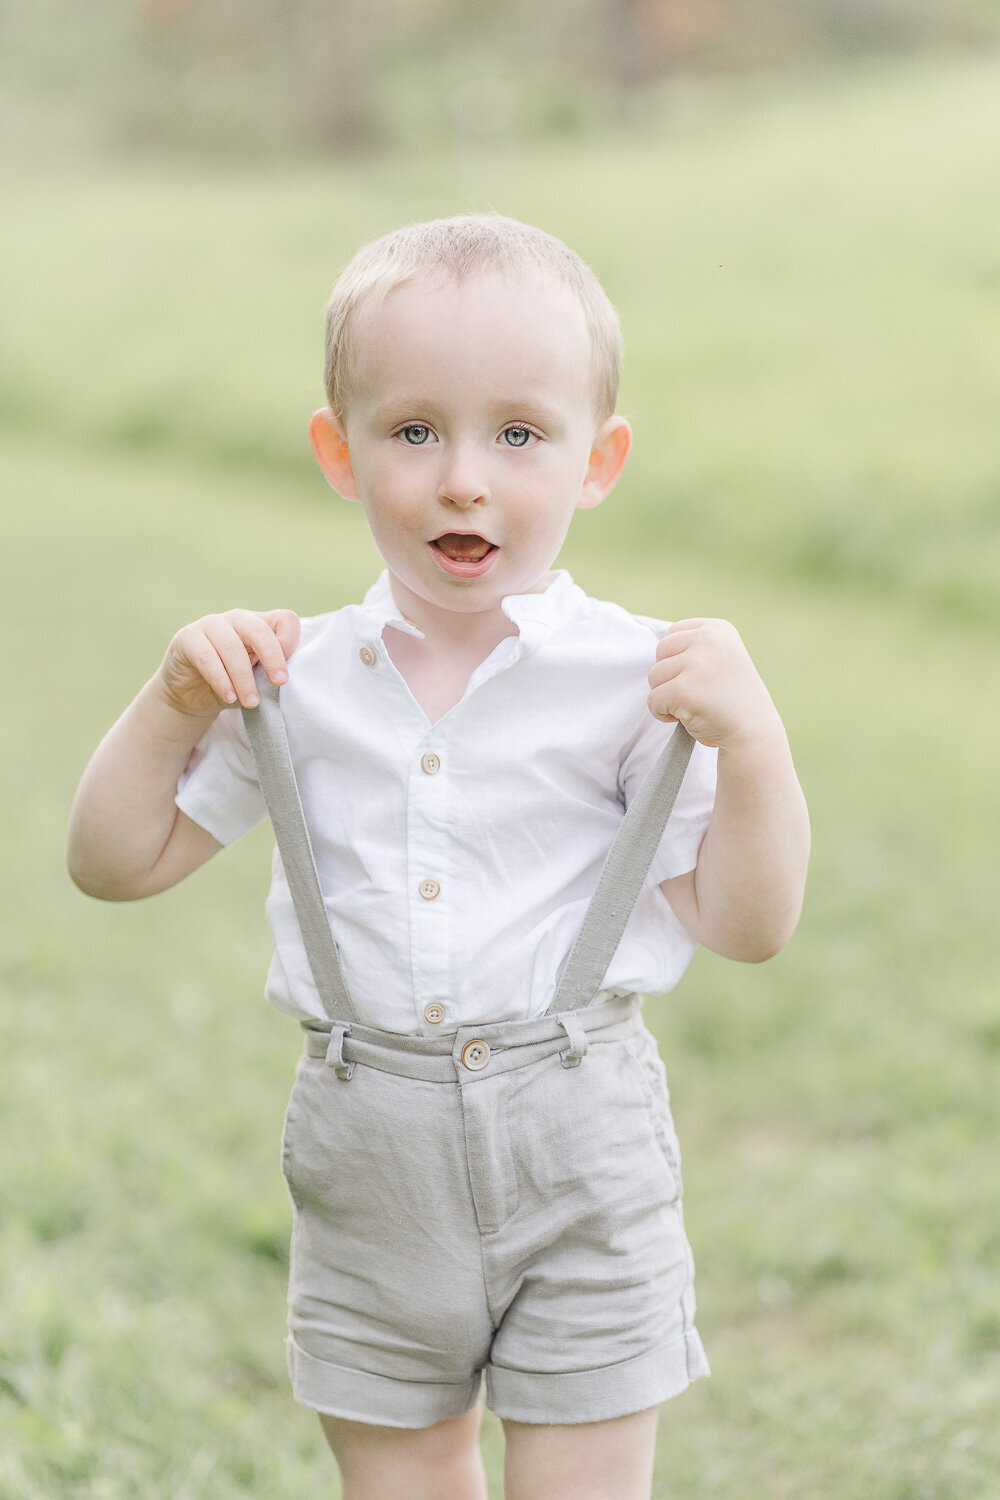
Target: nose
x: 463, y: 482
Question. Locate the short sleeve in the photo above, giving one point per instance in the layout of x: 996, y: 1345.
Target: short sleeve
x: 688, y: 823
x: 218, y: 788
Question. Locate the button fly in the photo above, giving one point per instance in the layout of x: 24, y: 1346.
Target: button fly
x: 429, y: 889
x: 475, y: 1055
x: 430, y: 763
x: 434, y: 1013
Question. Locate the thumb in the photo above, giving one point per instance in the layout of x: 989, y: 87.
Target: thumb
x: 287, y: 627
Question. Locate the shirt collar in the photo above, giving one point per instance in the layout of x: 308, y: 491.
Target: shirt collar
x: 535, y: 615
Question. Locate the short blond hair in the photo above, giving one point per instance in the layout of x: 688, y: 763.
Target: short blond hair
x: 460, y: 248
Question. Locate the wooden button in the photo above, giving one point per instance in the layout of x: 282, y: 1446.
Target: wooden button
x: 368, y: 656
x: 429, y: 889
x: 475, y: 1055
x: 430, y: 763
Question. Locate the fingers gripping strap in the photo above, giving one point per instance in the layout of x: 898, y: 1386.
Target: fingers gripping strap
x: 625, y: 869
x: 266, y: 731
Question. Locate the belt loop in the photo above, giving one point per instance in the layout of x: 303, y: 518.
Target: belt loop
x: 572, y: 1056
x: 335, y: 1051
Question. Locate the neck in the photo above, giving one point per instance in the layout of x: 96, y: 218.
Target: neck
x: 473, y: 632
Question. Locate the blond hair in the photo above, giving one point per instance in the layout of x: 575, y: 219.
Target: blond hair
x: 460, y: 248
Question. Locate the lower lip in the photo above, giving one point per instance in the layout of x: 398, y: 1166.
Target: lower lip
x: 464, y: 569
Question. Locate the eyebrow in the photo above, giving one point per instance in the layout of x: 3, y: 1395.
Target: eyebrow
x: 529, y: 407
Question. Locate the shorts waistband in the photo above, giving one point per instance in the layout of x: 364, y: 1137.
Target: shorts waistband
x: 475, y: 1051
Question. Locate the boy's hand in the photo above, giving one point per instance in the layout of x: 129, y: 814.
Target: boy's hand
x: 704, y: 677
x: 209, y: 664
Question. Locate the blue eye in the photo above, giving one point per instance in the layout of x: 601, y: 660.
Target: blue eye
x: 416, y: 434
x: 517, y: 437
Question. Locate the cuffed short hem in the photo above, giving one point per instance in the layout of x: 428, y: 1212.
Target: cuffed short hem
x: 377, y: 1399
x: 597, y: 1395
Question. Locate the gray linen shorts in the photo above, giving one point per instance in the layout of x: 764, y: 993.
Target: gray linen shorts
x: 488, y: 1200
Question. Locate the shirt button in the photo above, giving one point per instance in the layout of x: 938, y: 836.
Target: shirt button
x: 430, y: 763
x: 368, y: 656
x: 475, y: 1055
x: 428, y: 889
x: 434, y: 1013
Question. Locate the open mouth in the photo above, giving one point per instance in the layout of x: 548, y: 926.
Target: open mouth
x: 463, y: 546
x: 464, y: 554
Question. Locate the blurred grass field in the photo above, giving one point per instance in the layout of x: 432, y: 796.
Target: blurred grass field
x: 809, y: 287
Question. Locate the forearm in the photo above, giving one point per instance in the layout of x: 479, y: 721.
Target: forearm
x: 744, y: 898
x: 124, y: 809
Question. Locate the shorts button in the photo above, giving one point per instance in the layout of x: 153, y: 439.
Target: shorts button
x: 430, y: 763
x: 368, y: 656
x: 475, y: 1055
x: 434, y: 1013
x: 429, y: 889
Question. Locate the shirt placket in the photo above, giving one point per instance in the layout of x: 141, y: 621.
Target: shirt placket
x: 433, y: 896
x: 430, y: 883
x: 429, y: 887
x: 431, y: 877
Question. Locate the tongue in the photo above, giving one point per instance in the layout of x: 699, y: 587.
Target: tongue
x: 463, y: 548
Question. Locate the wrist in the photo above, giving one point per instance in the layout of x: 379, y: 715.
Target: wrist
x: 169, y: 718
x: 762, y: 739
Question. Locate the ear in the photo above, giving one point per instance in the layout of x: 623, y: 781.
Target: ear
x: 329, y: 443
x: 612, y: 445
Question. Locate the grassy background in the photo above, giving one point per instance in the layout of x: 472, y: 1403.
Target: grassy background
x: 808, y: 281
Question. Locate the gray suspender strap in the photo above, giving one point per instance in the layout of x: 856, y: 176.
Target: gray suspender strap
x: 265, y: 728
x: 621, y: 879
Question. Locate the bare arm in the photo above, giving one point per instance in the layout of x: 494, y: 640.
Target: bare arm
x: 127, y: 838
x: 744, y: 897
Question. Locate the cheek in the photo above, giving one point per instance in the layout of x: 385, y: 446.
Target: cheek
x: 391, y: 489
x: 546, y: 496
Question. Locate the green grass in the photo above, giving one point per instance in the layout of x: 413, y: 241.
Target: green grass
x: 838, y: 1106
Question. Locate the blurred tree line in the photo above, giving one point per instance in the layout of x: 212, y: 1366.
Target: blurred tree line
x: 250, y: 76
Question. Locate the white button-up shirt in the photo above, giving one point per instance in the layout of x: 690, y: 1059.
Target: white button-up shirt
x: 457, y: 858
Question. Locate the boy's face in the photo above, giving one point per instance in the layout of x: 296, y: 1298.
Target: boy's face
x: 470, y: 436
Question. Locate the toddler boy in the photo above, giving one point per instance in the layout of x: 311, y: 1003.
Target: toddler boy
x: 481, y: 1158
